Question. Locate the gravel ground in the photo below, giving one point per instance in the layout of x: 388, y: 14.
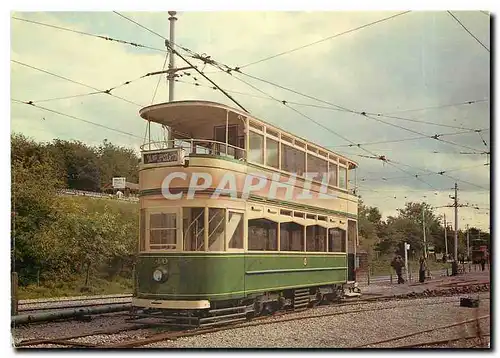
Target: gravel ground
x: 350, y: 330
x: 343, y: 331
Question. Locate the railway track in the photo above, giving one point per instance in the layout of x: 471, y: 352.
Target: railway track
x: 69, y: 341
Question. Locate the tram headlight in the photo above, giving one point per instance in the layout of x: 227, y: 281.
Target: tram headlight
x: 160, y: 274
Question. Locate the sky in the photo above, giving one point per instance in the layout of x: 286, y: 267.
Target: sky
x: 413, y: 61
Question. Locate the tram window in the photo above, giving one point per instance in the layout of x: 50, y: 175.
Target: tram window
x: 315, y: 238
x: 272, y: 153
x: 216, y: 229
x: 293, y: 160
x: 162, y: 231
x: 317, y: 165
x: 291, y: 237
x: 336, y: 240
x: 194, y: 229
x: 342, y: 177
x: 262, y: 235
x: 235, y: 230
x: 333, y: 174
x: 256, y: 150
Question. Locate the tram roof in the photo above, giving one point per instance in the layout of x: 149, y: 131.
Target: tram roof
x: 184, y: 116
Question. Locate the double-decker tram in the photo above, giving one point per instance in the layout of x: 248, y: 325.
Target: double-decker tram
x: 239, y: 218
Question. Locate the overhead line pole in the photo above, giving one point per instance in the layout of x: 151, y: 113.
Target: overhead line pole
x: 445, y: 237
x: 456, y: 222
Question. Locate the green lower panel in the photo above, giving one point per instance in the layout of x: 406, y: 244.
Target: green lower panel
x: 232, y: 275
x: 193, y: 276
x: 274, y: 272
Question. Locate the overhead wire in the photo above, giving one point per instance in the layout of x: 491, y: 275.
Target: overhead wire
x: 348, y: 110
x: 466, y: 29
x: 159, y: 78
x: 89, y: 34
x: 76, y: 118
x: 324, y: 39
x: 375, y: 156
x: 108, y: 91
x: 197, y: 84
x: 436, y: 107
x: 170, y: 46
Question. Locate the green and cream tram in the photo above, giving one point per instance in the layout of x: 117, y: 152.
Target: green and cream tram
x: 232, y: 221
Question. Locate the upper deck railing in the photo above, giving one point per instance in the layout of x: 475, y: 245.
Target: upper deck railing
x: 197, y: 146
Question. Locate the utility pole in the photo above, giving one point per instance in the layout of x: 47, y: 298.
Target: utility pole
x: 456, y: 222
x: 468, y: 251
x: 423, y: 228
x: 445, y: 237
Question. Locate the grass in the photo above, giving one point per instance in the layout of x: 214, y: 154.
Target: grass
x: 73, y: 287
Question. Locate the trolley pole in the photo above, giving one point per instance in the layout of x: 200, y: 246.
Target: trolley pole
x: 445, y: 237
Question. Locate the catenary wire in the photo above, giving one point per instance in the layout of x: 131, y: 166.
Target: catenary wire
x: 470, y: 33
x: 89, y: 34
x: 324, y: 39
x: 76, y: 118
x: 76, y: 82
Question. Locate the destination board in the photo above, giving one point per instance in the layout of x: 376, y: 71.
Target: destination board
x: 162, y: 157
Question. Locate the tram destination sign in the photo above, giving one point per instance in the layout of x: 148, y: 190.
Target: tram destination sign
x: 172, y: 157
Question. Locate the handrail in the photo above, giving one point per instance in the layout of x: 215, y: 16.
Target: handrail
x: 196, y: 146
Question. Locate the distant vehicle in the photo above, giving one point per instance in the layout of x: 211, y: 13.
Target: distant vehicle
x: 479, y: 251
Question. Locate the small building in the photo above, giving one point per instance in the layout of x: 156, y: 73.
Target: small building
x: 131, y: 189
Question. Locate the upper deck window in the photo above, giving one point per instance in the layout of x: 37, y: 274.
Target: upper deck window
x: 332, y: 171
x: 343, y: 177
x: 293, y: 160
x: 317, y: 165
x: 272, y: 153
x: 256, y: 150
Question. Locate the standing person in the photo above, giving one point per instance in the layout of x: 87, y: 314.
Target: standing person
x: 483, y: 262
x: 398, y: 264
x: 421, y: 271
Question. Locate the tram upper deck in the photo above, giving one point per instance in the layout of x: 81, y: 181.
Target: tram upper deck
x: 202, y: 128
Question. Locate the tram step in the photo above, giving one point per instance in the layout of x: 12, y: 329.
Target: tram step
x: 215, y: 318
x: 222, y: 322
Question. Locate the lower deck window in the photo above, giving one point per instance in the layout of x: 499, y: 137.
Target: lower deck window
x: 315, y: 238
x: 262, y: 235
x: 235, y: 227
x: 162, y: 231
x: 336, y: 240
x: 194, y: 229
x: 291, y: 237
x: 216, y: 229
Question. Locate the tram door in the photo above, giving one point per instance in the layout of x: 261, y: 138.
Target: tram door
x: 352, y: 238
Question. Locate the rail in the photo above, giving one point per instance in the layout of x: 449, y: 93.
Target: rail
x: 197, y: 146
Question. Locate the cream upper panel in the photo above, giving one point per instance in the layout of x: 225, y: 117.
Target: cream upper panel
x: 151, y: 181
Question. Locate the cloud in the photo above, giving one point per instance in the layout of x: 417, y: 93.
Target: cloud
x: 415, y: 60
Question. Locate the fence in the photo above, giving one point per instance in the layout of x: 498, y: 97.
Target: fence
x: 92, y: 194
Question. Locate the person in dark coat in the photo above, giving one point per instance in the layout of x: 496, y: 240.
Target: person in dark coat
x: 398, y: 264
x: 421, y: 270
x: 483, y: 263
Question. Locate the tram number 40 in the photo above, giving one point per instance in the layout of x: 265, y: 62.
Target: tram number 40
x: 161, y: 261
